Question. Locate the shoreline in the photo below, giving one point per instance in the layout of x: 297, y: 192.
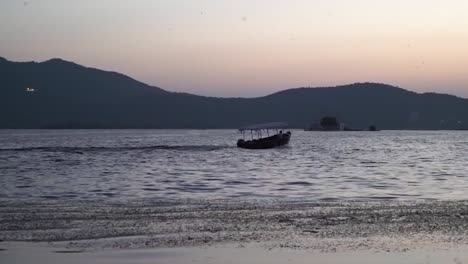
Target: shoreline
x: 43, y: 252
x: 318, y: 226
x: 221, y: 231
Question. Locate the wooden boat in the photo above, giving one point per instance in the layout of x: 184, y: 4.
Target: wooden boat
x: 276, y: 140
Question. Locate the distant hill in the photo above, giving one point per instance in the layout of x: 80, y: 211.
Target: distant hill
x: 63, y: 94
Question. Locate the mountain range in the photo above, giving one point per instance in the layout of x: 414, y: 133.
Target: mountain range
x: 62, y: 94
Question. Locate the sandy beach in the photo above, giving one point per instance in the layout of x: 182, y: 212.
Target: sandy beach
x: 234, y: 232
x: 39, y: 252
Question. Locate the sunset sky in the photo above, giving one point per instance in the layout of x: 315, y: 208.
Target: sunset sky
x: 249, y: 47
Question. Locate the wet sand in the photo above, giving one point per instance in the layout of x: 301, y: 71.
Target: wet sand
x: 249, y: 231
x: 40, y: 252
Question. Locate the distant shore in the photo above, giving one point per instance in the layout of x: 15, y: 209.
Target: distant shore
x: 188, y: 128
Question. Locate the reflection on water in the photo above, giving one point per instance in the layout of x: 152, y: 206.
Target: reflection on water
x: 126, y: 164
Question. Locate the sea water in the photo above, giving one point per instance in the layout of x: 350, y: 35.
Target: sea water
x: 124, y: 165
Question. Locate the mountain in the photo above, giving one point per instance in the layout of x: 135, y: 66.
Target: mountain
x: 61, y: 94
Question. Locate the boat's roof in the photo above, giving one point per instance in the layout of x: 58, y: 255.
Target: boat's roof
x: 272, y: 125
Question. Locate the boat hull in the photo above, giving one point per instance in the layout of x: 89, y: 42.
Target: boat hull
x: 265, y: 143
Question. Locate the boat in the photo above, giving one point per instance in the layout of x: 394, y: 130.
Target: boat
x: 275, y: 140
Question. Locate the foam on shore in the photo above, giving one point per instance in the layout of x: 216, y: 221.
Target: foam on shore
x: 322, y: 227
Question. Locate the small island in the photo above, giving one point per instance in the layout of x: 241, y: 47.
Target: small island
x: 331, y: 123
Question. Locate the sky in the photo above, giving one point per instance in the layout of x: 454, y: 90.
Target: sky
x: 248, y: 48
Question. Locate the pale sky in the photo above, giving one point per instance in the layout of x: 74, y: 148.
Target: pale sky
x: 249, y: 47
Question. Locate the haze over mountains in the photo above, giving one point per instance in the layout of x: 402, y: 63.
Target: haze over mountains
x: 61, y: 94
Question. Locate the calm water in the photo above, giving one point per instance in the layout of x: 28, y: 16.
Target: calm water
x: 128, y: 164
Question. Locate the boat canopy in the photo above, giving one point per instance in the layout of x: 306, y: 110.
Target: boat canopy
x: 272, y: 125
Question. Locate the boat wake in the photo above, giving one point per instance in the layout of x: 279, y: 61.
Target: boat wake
x: 136, y: 148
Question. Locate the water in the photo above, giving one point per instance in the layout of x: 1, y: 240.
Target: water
x: 123, y: 165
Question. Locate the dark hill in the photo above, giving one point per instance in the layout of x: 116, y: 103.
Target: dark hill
x: 67, y: 95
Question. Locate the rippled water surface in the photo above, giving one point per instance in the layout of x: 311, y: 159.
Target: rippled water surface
x: 128, y: 164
